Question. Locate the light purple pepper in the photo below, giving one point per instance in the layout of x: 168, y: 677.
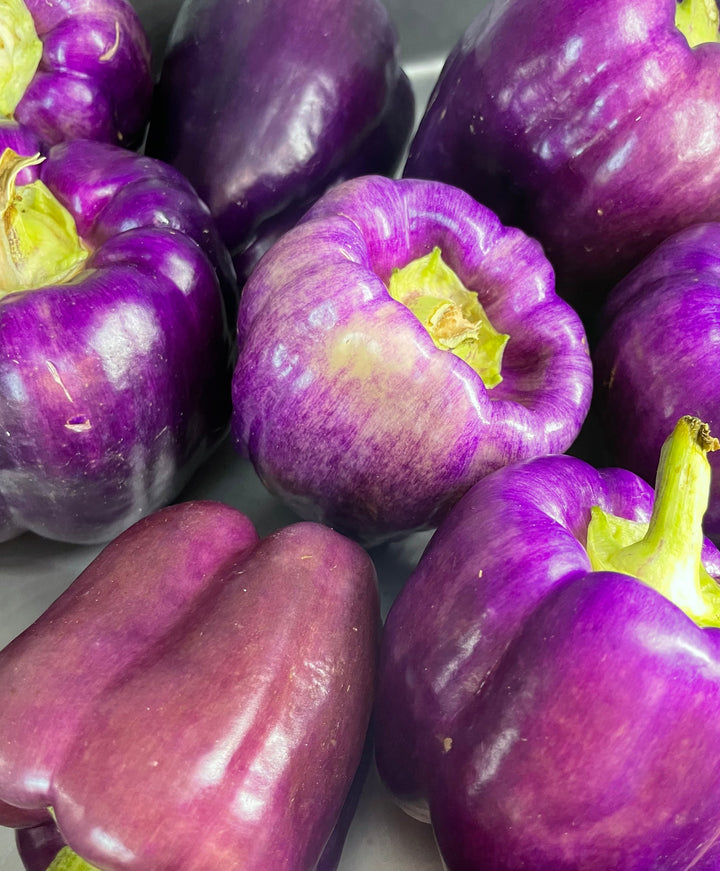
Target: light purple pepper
x: 341, y: 400
x: 115, y: 384
x: 592, y: 125
x: 94, y: 80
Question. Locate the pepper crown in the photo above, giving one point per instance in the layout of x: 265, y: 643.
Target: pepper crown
x: 452, y: 314
x: 666, y: 553
x: 20, y: 53
x: 697, y: 20
x: 39, y: 242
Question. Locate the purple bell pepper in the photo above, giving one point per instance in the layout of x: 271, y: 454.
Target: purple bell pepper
x: 396, y: 346
x: 264, y: 104
x: 196, y: 699
x: 550, y: 674
x: 76, y: 69
x: 115, y: 349
x: 593, y: 126
x: 38, y: 845
x: 658, y: 349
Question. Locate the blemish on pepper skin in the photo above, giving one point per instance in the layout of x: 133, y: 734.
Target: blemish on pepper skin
x: 52, y: 369
x: 78, y: 423
x: 447, y: 744
x: 110, y: 53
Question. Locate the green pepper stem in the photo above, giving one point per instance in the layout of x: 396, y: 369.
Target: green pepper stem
x: 451, y: 314
x: 39, y: 242
x: 20, y: 54
x: 667, y: 552
x: 697, y: 20
x: 11, y: 165
x: 67, y: 860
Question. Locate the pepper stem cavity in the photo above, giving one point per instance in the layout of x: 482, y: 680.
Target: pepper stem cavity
x: 39, y: 242
x: 698, y: 21
x: 20, y: 53
x: 666, y: 553
x: 452, y: 314
x: 67, y: 860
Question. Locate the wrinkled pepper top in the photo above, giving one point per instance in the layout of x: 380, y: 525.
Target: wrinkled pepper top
x: 77, y: 69
x: 347, y: 405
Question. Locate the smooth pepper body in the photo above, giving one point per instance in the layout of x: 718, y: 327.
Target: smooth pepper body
x: 197, y: 698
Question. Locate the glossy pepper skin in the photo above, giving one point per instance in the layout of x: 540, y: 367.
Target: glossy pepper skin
x: 591, y: 125
x: 94, y: 77
x: 265, y: 104
x: 657, y: 350
x: 341, y: 400
x: 115, y: 384
x: 550, y: 716
x: 197, y: 698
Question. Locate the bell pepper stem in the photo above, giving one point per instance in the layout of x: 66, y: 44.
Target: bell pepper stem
x: 451, y: 314
x: 667, y: 552
x: 697, y: 20
x: 39, y: 242
x: 11, y: 165
x: 67, y: 860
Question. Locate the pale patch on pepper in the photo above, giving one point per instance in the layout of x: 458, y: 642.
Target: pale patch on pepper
x: 375, y: 369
